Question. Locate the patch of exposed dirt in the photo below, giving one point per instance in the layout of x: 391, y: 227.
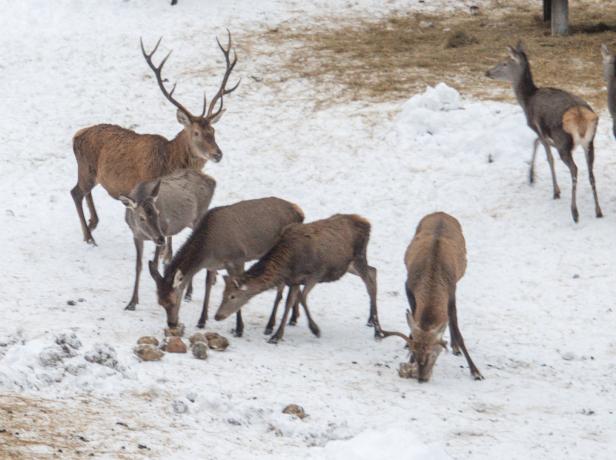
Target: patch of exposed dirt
x: 388, y: 58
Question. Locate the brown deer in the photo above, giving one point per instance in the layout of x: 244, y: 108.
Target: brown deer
x: 307, y: 254
x: 119, y: 158
x: 559, y: 119
x: 226, y: 238
x: 435, y: 261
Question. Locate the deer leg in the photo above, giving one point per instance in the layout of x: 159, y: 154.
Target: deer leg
x: 303, y: 298
x: 291, y: 299
x: 367, y: 273
x: 531, y: 172
x: 189, y: 291
x: 565, y: 155
x: 78, y: 195
x: 457, y: 336
x: 590, y: 161
x: 548, y: 154
x: 210, y: 279
x: 295, y: 313
x: 93, y: 222
x: 272, y: 319
x: 168, y: 252
x: 238, y: 331
x: 134, y: 300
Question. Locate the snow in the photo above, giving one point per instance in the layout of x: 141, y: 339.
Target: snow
x: 536, y: 305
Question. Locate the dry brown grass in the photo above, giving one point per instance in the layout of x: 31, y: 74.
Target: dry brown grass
x: 33, y: 427
x: 387, y: 59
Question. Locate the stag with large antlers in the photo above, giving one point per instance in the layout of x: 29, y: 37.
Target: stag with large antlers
x: 119, y: 158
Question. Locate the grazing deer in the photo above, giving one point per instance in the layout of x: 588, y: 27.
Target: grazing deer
x: 226, y: 238
x: 307, y: 254
x: 609, y: 73
x: 158, y: 209
x: 119, y: 159
x: 558, y: 118
x: 435, y: 261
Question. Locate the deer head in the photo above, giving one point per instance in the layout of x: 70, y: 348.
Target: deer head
x: 425, y: 346
x: 513, y: 68
x: 146, y: 217
x: 198, y: 129
x: 169, y: 293
x: 235, y: 295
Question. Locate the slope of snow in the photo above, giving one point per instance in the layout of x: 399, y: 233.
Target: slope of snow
x: 536, y: 305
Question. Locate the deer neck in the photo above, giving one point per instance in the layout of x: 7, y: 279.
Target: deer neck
x: 180, y: 154
x: 266, y: 273
x: 431, y: 306
x: 524, y: 87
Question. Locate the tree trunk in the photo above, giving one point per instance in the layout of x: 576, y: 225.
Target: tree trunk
x: 560, y: 17
x: 547, y: 10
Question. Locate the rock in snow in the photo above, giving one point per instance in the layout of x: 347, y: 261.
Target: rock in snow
x: 216, y: 341
x: 147, y: 352
x: 294, y: 409
x: 199, y: 350
x: 148, y: 340
x: 174, y: 345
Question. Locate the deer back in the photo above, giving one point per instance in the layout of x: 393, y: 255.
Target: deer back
x: 322, y: 249
x: 123, y: 158
x: 548, y: 107
x: 235, y: 234
x: 435, y: 261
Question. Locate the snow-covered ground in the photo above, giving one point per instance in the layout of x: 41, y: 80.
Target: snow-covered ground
x: 536, y: 306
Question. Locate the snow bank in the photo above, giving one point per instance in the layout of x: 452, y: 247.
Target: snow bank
x: 389, y: 443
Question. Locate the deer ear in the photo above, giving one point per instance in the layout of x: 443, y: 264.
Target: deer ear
x: 154, y: 272
x: 410, y: 320
x: 215, y: 119
x: 183, y: 118
x: 155, y: 190
x: 128, y: 202
x: 177, y: 279
x: 513, y: 54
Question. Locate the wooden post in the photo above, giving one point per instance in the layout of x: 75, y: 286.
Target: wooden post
x: 560, y: 17
x: 547, y: 10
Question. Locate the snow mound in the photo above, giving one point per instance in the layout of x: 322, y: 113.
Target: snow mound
x: 440, y: 98
x: 393, y: 442
x: 56, y: 362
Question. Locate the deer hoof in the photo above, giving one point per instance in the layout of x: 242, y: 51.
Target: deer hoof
x: 293, y: 322
x: 91, y: 241
x: 201, y: 325
x: 477, y: 375
x: 130, y: 306
x: 273, y: 340
x: 188, y: 297
x: 557, y: 195
x: 268, y: 330
x: 237, y: 333
x: 599, y: 214
x: 576, y: 215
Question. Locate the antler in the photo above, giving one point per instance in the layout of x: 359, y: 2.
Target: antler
x: 408, y: 340
x: 157, y: 71
x: 222, y: 91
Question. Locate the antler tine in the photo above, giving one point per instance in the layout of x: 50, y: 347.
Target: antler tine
x: 398, y: 334
x: 157, y: 72
x: 222, y: 91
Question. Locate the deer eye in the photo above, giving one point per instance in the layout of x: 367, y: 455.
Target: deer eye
x: 232, y: 296
x: 196, y: 133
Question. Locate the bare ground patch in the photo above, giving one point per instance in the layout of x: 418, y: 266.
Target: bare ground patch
x: 357, y: 58
x: 34, y: 427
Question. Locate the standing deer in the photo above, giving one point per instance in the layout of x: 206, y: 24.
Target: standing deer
x: 158, y: 209
x: 119, y: 158
x: 226, y: 238
x: 558, y: 118
x: 609, y: 73
x: 435, y: 261
x: 307, y: 254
